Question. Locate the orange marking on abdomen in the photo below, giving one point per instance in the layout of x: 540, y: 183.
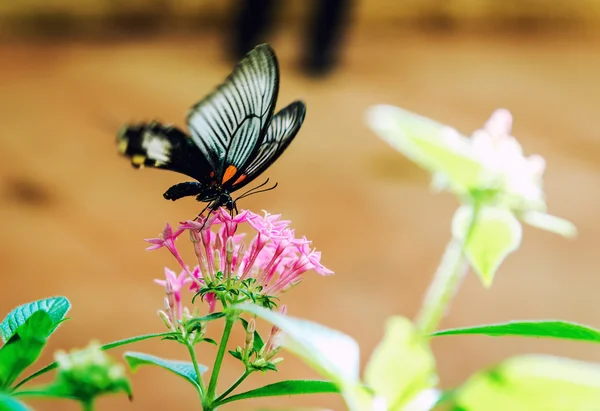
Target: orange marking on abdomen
x: 229, y: 173
x: 240, y: 179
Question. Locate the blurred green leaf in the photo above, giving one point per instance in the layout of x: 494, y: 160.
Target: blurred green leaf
x: 184, y: 369
x: 402, y: 365
x: 533, y: 383
x: 495, y: 234
x: 331, y: 353
x: 550, y: 223
x: 534, y: 328
x: 24, y: 347
x: 426, y: 142
x: 8, y: 403
x: 55, y: 307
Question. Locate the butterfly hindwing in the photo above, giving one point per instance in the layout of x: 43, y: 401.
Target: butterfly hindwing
x: 281, y: 131
x: 163, y: 146
x: 229, y: 124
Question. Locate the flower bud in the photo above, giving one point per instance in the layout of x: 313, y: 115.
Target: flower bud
x: 165, y: 319
x: 228, y: 256
x: 87, y: 373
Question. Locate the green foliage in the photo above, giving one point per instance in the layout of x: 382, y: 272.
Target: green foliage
x: 333, y: 354
x: 533, y: 383
x: 55, y: 307
x: 402, y: 365
x: 422, y: 140
x: 291, y: 387
x: 184, y: 369
x: 493, y: 235
x: 8, y: 403
x: 195, y: 322
x: 24, y: 346
x: 231, y: 289
x: 534, y: 328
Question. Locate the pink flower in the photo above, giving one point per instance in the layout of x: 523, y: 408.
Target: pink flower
x: 167, y: 240
x: 230, y: 268
x: 174, y: 284
x: 230, y: 223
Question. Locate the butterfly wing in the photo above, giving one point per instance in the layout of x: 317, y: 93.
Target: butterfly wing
x: 281, y: 131
x: 229, y: 125
x: 163, y: 146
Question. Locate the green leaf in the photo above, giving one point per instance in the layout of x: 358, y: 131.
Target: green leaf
x: 206, y: 318
x: 107, y: 346
x: 533, y: 383
x: 425, y: 142
x: 210, y: 341
x: 291, y: 387
x: 550, y: 223
x: 236, y: 354
x: 402, y: 365
x: 534, y: 328
x: 184, y: 369
x: 24, y: 347
x: 331, y: 353
x: 8, y: 403
x: 55, y: 307
x: 495, y: 234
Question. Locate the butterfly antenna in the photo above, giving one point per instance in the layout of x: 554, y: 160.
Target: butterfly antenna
x: 252, y: 192
x: 252, y: 189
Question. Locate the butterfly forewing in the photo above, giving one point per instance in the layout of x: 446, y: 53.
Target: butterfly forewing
x: 229, y: 125
x: 281, y: 131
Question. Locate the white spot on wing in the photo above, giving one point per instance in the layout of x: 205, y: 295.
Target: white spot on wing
x: 157, y: 147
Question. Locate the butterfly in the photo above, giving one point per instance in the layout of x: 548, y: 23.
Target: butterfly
x: 234, y: 135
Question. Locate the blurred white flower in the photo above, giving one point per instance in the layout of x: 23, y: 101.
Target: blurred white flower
x: 516, y: 176
x: 488, y: 168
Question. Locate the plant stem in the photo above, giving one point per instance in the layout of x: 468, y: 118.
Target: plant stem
x: 234, y: 386
x: 212, y: 386
x: 446, y: 281
x: 196, y: 368
x: 87, y: 405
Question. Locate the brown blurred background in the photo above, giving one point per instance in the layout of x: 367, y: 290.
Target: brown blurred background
x: 74, y: 213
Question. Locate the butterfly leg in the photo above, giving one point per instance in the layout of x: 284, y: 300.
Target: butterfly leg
x: 202, y: 212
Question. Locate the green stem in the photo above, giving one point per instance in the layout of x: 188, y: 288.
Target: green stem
x: 447, y: 279
x: 196, y: 368
x: 212, y: 386
x: 234, y: 386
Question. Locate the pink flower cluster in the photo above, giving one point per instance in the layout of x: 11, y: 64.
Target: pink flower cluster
x: 275, y: 259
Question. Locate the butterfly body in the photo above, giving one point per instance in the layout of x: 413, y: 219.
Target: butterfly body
x: 234, y: 134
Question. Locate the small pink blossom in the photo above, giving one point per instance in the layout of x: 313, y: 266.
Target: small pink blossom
x: 174, y: 284
x: 167, y: 240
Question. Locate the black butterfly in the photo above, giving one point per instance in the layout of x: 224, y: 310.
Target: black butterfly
x: 234, y: 135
